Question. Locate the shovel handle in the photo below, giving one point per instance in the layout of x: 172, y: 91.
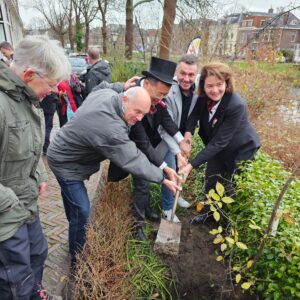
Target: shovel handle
x: 175, y: 204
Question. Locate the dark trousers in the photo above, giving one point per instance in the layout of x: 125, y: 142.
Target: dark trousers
x: 141, y: 193
x: 22, y: 259
x: 77, y: 208
x: 48, y: 129
x: 219, y: 170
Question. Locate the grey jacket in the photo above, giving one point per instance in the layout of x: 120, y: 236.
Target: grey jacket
x: 95, y: 133
x: 174, y: 106
x: 21, y: 140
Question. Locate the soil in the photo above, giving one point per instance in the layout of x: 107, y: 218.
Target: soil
x: 197, y: 273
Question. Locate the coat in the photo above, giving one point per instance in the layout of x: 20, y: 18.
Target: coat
x: 228, y: 135
x: 95, y: 133
x: 96, y: 73
x: 21, y: 140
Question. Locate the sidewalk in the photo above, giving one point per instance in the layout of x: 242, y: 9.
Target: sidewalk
x: 55, y: 228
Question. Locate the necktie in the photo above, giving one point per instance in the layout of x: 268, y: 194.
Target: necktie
x: 210, y: 104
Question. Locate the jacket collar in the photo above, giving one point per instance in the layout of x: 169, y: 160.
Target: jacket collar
x: 14, y: 87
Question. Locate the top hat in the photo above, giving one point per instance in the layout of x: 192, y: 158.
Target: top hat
x: 161, y: 69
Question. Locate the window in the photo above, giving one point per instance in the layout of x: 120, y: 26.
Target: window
x: 247, y: 23
x: 262, y: 23
x: 2, y: 31
x: 293, y: 37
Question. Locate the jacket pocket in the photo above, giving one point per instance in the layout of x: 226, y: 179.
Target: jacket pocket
x: 19, y: 141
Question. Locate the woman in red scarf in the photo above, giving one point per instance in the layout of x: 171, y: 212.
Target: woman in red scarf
x: 64, y: 90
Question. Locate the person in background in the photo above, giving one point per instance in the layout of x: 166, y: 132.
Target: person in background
x: 77, y: 89
x: 99, y: 130
x: 37, y: 67
x: 225, y: 129
x: 66, y: 102
x: 8, y: 51
x: 97, y: 71
x: 180, y: 103
x: 49, y: 105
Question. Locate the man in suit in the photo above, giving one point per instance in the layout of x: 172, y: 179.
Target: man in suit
x: 145, y: 134
x: 180, y: 103
x: 225, y: 129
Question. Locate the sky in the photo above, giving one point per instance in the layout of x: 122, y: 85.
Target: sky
x: 27, y: 15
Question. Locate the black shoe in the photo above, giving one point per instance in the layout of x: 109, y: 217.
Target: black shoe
x: 151, y: 215
x: 139, y: 234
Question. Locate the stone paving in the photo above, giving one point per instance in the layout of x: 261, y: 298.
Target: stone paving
x: 55, y: 228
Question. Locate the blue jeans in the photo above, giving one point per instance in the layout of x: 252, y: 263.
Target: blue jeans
x: 77, y: 208
x: 167, y: 195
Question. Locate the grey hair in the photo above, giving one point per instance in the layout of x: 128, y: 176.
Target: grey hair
x: 42, y: 55
x: 189, y: 59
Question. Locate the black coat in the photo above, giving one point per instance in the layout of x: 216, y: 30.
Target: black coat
x: 146, y: 136
x: 49, y: 103
x: 228, y: 135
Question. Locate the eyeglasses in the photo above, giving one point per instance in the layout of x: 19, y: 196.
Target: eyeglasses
x: 52, y: 86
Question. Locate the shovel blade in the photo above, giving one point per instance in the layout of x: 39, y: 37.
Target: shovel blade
x: 168, y: 238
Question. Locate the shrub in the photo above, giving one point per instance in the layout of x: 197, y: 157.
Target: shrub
x: 123, y: 70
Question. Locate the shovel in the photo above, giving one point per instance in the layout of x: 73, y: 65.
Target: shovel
x: 168, y: 236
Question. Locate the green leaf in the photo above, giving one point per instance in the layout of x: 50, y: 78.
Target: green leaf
x: 218, y: 239
x: 220, y: 204
x: 214, y: 231
x: 249, y: 264
x: 246, y: 285
x: 230, y: 240
x: 252, y: 226
x: 241, y: 245
x: 223, y: 247
x: 238, y: 278
x: 211, y: 192
x: 216, y: 216
x: 220, y: 229
x: 219, y: 258
x: 220, y: 189
x: 212, y: 208
x: 215, y: 196
x: 227, y: 200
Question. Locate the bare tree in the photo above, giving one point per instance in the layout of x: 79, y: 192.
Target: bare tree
x: 89, y: 11
x: 78, y: 30
x: 167, y: 28
x: 129, y: 25
x: 103, y: 6
x: 55, y: 15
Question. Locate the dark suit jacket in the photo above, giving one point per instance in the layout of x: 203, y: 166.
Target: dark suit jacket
x: 146, y: 136
x: 229, y: 135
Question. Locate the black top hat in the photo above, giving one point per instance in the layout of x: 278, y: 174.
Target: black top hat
x: 161, y: 69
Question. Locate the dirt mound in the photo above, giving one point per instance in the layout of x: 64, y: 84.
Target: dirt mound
x: 197, y: 273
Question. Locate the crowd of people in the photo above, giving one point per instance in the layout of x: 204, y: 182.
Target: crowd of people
x: 143, y: 126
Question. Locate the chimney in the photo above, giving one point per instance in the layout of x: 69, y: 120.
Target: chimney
x: 271, y: 10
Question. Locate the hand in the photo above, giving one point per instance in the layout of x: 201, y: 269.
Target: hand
x: 131, y: 82
x: 185, y: 171
x: 171, y: 185
x: 188, y: 137
x: 185, y: 148
x: 42, y: 187
x: 172, y: 175
x: 181, y: 161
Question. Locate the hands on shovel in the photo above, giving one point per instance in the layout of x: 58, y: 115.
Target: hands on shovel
x: 185, y: 171
x: 172, y: 183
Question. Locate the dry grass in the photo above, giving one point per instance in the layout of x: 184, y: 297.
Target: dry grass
x: 102, y: 268
x: 265, y: 93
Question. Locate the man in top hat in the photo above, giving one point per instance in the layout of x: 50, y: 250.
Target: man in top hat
x: 157, y: 81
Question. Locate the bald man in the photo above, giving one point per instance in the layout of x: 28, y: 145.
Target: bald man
x: 98, y: 131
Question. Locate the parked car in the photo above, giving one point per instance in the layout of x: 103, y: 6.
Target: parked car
x: 78, y: 64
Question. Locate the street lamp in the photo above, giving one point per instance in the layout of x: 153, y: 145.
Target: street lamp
x: 114, y: 38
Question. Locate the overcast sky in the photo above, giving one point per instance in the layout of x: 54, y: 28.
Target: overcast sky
x: 251, y: 5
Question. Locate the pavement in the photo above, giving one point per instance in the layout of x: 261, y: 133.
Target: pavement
x: 55, y: 227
